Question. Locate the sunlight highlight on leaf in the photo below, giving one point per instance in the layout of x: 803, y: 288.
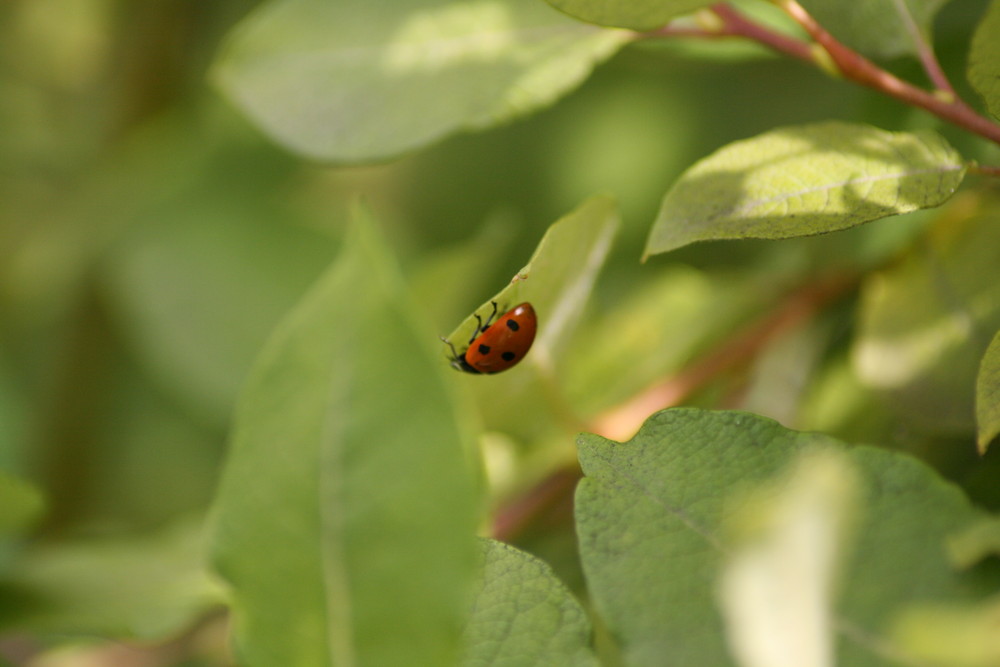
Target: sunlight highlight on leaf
x: 805, y: 180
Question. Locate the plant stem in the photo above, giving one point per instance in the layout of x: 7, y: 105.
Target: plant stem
x: 849, y: 64
x: 855, y: 67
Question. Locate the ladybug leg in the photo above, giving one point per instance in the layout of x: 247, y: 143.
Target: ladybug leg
x: 479, y: 328
x: 447, y: 342
x: 493, y: 314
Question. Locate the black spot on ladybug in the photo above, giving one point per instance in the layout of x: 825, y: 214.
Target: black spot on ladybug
x: 484, y: 349
x: 508, y: 356
x: 513, y: 325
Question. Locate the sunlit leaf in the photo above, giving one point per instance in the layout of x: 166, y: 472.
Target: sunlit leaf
x: 348, y: 504
x: 805, y: 180
x: 650, y: 513
x: 356, y: 81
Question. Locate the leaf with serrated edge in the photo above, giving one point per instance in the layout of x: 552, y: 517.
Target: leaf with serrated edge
x: 524, y: 615
x: 347, y: 505
x: 559, y: 276
x: 635, y: 14
x: 805, y: 180
x: 357, y: 81
x: 649, y: 512
x: 988, y: 395
x: 984, y: 59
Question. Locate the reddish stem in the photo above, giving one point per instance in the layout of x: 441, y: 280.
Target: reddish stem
x: 850, y: 64
x: 855, y: 67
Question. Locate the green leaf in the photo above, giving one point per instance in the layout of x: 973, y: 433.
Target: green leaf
x: 988, y: 395
x: 804, y: 180
x: 147, y: 587
x: 650, y: 514
x: 881, y: 28
x: 635, y: 14
x: 984, y: 59
x: 558, y: 278
x: 354, y: 81
x: 348, y: 505
x: 523, y: 615
x: 926, y: 321
x: 21, y: 504
x: 179, y: 286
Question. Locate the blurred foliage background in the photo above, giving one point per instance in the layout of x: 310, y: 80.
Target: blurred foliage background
x: 150, y: 239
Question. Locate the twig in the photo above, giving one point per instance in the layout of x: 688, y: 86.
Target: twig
x: 855, y: 67
x: 848, y: 63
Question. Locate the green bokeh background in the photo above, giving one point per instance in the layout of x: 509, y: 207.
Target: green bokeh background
x: 150, y: 238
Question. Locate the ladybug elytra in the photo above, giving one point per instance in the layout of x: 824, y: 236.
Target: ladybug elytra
x: 497, y: 345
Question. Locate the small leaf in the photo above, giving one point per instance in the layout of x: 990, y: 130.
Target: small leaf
x: 649, y: 514
x: 988, y: 395
x: 559, y: 276
x: 353, y: 81
x: 523, y: 615
x: 810, y: 179
x: 635, y: 14
x: 880, y: 28
x: 984, y: 59
x: 348, y: 505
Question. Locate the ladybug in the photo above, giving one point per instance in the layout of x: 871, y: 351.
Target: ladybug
x: 498, y: 346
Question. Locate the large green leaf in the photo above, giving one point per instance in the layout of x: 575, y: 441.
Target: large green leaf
x: 886, y: 28
x: 353, y: 81
x: 988, y: 395
x: 804, y: 180
x: 984, y: 59
x: 635, y: 14
x: 347, y: 510
x: 650, y: 514
x: 926, y: 321
x: 523, y: 615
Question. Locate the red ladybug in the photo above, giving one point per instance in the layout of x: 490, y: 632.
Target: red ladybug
x: 498, y: 346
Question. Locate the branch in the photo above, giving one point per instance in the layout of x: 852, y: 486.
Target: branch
x: 849, y: 64
x: 855, y: 67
